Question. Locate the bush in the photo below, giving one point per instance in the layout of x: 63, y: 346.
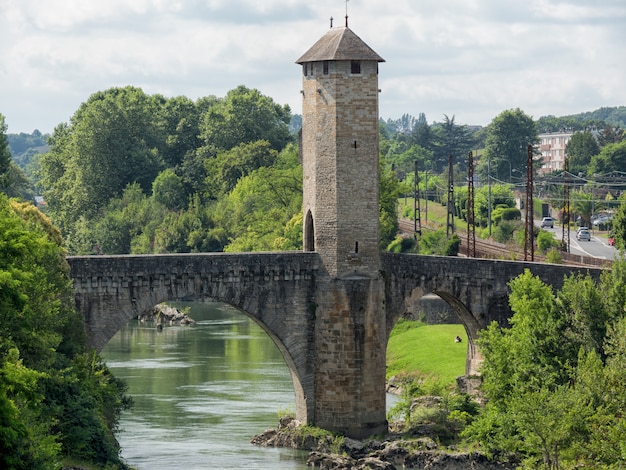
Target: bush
x: 503, y: 232
x: 546, y: 240
x: 402, y: 245
x: 437, y: 243
x: 554, y: 256
x: 500, y: 214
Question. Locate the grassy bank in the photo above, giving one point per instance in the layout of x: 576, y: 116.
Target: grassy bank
x: 428, y: 350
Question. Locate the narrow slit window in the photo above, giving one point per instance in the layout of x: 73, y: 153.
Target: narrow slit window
x: 305, y: 69
x: 356, y: 247
x: 325, y: 67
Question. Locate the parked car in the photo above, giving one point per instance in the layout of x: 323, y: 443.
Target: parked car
x: 547, y: 222
x: 603, y: 219
x: 611, y: 241
x: 583, y: 235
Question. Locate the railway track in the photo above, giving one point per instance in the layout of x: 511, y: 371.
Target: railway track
x: 494, y: 250
x: 484, y: 248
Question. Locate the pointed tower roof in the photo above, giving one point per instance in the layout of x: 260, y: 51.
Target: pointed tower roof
x: 339, y: 44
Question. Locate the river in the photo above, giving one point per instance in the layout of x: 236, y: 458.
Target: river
x: 201, y: 392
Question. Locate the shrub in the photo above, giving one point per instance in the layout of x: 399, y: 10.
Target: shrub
x: 554, y: 256
x: 402, y: 245
x: 546, y: 240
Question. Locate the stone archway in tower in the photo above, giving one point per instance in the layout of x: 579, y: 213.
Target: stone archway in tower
x: 309, y: 233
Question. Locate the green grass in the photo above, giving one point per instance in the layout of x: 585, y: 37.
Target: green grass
x: 429, y: 350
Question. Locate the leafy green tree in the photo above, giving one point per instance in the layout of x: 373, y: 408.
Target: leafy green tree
x: 167, y: 189
x: 245, y: 116
x: 501, y: 196
x: 508, y: 137
x: 580, y: 148
x: 612, y: 157
x: 5, y: 154
x: 583, y: 207
x: 112, y: 141
x: 451, y: 140
x: 618, y: 229
x: 402, y: 157
x: 179, y: 120
x: 611, y: 135
x: 25, y: 443
x: 44, y: 363
x: 390, y: 190
x: 555, y: 379
x: 229, y: 166
x: 260, y: 212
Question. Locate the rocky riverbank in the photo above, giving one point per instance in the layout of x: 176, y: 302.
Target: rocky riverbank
x: 388, y: 453
x: 163, y: 314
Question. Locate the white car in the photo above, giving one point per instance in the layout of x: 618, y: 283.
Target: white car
x: 601, y: 220
x: 547, y: 222
x: 583, y: 235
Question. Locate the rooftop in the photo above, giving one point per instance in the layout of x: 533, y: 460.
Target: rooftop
x: 339, y: 44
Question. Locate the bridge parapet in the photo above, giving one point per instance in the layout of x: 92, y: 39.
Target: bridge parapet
x: 110, y: 290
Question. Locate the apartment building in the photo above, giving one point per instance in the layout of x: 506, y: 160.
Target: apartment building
x: 552, y: 148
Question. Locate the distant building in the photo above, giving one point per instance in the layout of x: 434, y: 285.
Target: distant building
x: 552, y: 147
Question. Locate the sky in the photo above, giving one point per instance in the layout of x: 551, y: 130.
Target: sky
x: 469, y: 59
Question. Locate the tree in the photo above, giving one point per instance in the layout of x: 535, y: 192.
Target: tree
x: 56, y: 398
x: 612, y: 157
x: 508, y: 137
x: 451, y: 140
x: 501, y: 195
x: 225, y: 170
x: 611, y: 135
x: 554, y: 381
x: 619, y: 224
x: 179, y: 120
x: 389, y: 192
x: 580, y: 148
x: 262, y: 209
x: 245, y: 116
x: 5, y: 154
x: 583, y: 206
x: 167, y: 189
x: 112, y: 141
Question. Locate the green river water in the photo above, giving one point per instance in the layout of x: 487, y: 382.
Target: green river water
x: 201, y: 392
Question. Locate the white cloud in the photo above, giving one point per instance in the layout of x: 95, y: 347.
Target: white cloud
x: 471, y: 58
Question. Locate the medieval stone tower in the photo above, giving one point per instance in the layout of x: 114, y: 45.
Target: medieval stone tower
x: 341, y: 211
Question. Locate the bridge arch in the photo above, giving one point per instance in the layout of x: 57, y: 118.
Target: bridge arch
x: 461, y: 312
x: 276, y: 291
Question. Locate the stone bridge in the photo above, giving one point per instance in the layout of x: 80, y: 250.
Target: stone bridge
x: 330, y: 308
x: 281, y: 292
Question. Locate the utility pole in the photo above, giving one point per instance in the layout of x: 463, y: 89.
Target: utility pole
x: 529, y: 227
x: 471, y: 226
x: 489, y: 194
x: 450, y: 216
x: 417, y: 216
x: 565, y: 240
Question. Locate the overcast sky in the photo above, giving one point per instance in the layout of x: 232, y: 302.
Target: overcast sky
x: 471, y: 59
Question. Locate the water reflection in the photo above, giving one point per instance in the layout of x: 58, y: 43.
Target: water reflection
x: 200, y: 392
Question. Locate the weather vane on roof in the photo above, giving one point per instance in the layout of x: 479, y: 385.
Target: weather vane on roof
x: 347, y: 13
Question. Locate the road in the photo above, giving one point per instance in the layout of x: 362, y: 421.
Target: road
x: 597, y: 247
